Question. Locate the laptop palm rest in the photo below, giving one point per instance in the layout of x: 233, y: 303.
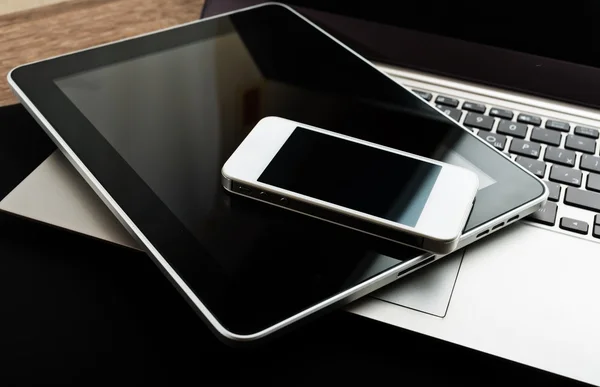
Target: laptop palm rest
x: 55, y: 194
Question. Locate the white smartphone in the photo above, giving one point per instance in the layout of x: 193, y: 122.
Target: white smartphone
x: 357, y: 184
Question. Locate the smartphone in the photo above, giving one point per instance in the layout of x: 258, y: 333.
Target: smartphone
x: 368, y: 187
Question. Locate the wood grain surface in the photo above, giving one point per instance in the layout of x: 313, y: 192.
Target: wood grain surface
x: 73, y: 25
x: 8, y: 6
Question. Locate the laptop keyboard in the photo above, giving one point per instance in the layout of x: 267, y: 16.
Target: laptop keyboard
x: 563, y: 154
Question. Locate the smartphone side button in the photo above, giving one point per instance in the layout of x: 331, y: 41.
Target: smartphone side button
x: 283, y: 201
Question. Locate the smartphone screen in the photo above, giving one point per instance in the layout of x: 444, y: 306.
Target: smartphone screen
x: 352, y: 175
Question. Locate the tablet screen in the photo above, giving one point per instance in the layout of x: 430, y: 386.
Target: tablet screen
x: 155, y: 118
x: 218, y: 83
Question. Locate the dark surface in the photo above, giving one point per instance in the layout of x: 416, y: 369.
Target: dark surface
x: 470, y: 41
x: 83, y: 312
x: 79, y: 311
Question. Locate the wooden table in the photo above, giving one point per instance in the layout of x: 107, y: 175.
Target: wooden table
x: 73, y: 25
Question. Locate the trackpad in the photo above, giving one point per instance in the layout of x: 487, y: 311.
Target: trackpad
x: 427, y: 290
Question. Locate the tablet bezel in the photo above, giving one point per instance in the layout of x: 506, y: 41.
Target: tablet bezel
x: 94, y: 158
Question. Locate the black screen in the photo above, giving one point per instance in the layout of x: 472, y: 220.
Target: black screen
x: 502, y: 27
x: 501, y: 46
x: 155, y: 118
x: 351, y: 175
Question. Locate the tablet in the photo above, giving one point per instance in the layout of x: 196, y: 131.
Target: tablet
x: 149, y: 121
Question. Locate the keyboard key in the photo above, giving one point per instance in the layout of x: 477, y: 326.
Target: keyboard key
x: 525, y: 148
x: 582, y: 199
x: 593, y: 182
x: 546, y: 214
x: 590, y: 163
x: 536, y: 167
x: 529, y: 119
x: 582, y: 144
x: 586, y: 132
x: 558, y: 125
x: 565, y: 175
x: 554, y: 189
x: 560, y: 156
x: 512, y: 129
x: 474, y: 107
x: 497, y: 140
x: 452, y: 102
x: 545, y: 136
x: 574, y: 225
x: 596, y: 229
x: 478, y: 121
x: 453, y: 113
x: 501, y: 113
x: 423, y: 94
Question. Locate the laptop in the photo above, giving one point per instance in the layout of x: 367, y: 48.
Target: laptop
x: 526, y: 293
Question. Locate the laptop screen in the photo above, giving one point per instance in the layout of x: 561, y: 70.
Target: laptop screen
x: 541, y: 49
x: 553, y: 30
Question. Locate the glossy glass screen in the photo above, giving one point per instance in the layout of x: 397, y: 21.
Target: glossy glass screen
x: 352, y: 175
